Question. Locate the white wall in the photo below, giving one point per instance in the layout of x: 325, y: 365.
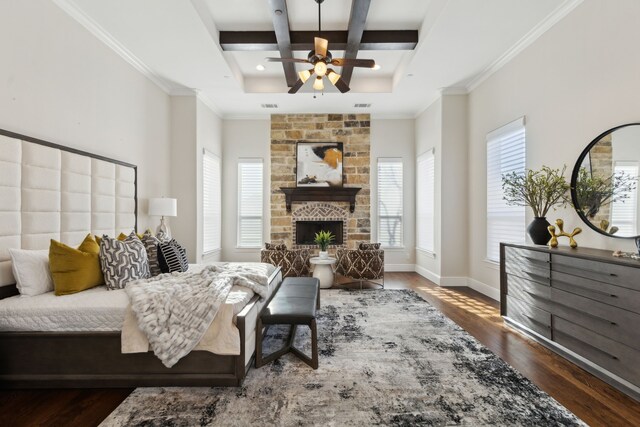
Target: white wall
x: 395, y: 138
x: 577, y: 80
x: 241, y: 139
x: 61, y: 84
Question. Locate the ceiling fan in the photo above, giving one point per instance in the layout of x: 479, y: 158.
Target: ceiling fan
x: 320, y: 58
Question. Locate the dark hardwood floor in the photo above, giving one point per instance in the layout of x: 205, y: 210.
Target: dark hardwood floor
x: 591, y: 399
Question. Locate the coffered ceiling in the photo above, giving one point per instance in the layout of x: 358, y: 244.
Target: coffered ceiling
x: 177, y: 44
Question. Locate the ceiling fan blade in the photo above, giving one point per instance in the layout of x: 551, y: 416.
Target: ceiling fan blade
x: 286, y: 60
x: 364, y: 63
x: 296, y: 87
x: 321, y: 46
x: 342, y: 86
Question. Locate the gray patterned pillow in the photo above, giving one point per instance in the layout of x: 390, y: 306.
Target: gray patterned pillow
x: 151, y: 245
x: 123, y: 261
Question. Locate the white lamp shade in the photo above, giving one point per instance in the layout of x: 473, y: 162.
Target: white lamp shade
x: 163, y: 207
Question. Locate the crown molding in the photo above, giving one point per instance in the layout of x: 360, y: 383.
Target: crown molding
x: 542, y: 27
x: 75, y: 12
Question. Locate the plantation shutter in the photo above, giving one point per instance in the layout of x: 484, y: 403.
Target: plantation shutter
x: 506, y: 153
x: 624, y: 211
x: 425, y: 201
x: 390, y: 202
x: 250, y: 196
x: 211, y: 202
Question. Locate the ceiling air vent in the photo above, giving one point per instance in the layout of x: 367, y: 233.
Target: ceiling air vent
x: 269, y: 105
x: 362, y: 105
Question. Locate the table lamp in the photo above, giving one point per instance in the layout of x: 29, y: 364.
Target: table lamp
x: 162, y: 207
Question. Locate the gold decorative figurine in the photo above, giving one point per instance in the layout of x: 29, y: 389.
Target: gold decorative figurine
x: 553, y: 243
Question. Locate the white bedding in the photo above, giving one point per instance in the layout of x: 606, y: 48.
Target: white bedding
x: 95, y: 309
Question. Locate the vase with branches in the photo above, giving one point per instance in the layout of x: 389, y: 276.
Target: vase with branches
x: 540, y: 190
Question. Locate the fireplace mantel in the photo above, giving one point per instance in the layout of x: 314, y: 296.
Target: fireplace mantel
x: 320, y: 194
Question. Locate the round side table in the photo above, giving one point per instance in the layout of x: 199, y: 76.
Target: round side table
x: 323, y: 270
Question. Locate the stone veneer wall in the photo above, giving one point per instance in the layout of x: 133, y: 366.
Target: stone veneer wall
x: 354, y: 131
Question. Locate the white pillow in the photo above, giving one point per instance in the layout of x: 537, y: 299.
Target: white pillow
x: 31, y: 270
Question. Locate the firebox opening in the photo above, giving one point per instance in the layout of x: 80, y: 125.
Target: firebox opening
x: 306, y: 231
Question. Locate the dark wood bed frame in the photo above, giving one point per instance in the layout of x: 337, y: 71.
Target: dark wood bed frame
x: 94, y: 360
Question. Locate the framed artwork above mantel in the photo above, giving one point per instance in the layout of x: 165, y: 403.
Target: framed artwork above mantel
x: 319, y: 164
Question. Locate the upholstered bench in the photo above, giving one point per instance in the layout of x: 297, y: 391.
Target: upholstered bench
x: 294, y: 303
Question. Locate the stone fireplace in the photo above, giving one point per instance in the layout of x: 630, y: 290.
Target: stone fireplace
x: 354, y: 131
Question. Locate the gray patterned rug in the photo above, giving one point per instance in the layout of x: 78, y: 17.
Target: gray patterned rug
x: 387, y: 357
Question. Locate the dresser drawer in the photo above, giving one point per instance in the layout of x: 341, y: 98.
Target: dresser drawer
x: 628, y: 277
x: 610, y: 355
x: 614, y: 295
x: 527, y: 315
x: 530, y: 265
x: 620, y: 325
x: 533, y: 293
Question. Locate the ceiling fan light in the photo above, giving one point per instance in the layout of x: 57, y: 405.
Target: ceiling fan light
x: 318, y: 84
x: 333, y: 77
x: 304, y: 75
x: 320, y: 68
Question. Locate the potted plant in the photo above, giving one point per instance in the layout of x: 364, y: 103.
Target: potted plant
x: 324, y: 239
x: 593, y: 192
x: 540, y: 190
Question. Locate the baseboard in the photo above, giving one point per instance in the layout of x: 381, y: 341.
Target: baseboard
x: 485, y: 289
x: 453, y: 281
x: 427, y: 274
x: 399, y: 267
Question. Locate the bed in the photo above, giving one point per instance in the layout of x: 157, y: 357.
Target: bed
x: 54, y: 346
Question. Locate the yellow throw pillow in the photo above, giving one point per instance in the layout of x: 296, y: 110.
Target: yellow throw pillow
x: 75, y: 270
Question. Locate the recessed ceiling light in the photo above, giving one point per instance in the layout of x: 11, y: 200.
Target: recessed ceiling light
x: 409, y: 75
x: 227, y: 77
x: 376, y: 67
x: 260, y: 67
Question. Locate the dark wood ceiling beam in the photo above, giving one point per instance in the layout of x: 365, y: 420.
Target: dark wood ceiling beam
x: 357, y: 21
x: 283, y: 40
x: 303, y: 40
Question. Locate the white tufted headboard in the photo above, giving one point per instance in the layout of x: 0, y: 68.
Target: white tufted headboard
x: 48, y: 191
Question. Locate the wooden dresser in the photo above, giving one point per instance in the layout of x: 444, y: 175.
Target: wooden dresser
x: 582, y: 303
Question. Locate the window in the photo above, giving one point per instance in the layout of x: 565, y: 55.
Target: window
x: 624, y: 211
x: 390, y: 202
x: 505, y: 153
x: 425, y: 200
x: 250, y: 193
x: 211, y: 202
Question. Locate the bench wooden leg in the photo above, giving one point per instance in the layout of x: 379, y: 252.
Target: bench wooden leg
x: 314, y: 344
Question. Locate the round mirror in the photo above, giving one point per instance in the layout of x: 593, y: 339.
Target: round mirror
x: 604, y: 183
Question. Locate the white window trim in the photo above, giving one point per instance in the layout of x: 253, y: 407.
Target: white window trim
x: 241, y: 160
x: 215, y: 157
x: 432, y: 253
x: 400, y: 160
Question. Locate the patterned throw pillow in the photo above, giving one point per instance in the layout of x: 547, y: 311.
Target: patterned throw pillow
x: 368, y: 246
x: 151, y: 245
x: 172, y: 257
x: 278, y: 247
x: 123, y: 261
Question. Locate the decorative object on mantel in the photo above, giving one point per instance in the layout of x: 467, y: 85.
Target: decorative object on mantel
x: 540, y: 190
x: 320, y: 194
x: 553, y: 243
x: 620, y: 254
x: 162, y: 207
x: 324, y: 239
x: 319, y: 164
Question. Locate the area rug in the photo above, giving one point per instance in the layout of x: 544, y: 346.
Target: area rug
x: 387, y: 357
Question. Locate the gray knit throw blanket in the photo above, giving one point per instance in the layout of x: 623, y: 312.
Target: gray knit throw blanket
x: 174, y: 310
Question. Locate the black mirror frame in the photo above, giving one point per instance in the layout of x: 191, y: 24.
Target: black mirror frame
x: 574, y: 180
